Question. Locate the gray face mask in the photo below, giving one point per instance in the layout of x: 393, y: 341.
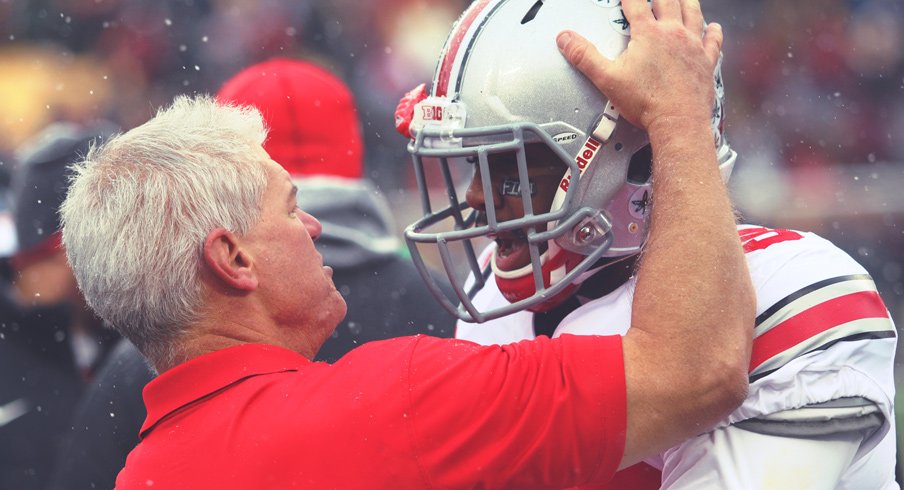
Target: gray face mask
x: 500, y: 86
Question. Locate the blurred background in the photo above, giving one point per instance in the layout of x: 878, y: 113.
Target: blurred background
x: 815, y: 91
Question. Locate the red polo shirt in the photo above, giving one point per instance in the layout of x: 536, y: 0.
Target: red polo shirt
x: 412, y: 412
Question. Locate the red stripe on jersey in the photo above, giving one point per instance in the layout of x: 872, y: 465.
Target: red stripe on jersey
x: 815, y: 320
x: 752, y: 242
x: 746, y: 233
x: 486, y: 261
x: 445, y: 71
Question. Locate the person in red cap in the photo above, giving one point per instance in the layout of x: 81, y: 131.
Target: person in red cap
x: 311, y: 114
x: 314, y: 133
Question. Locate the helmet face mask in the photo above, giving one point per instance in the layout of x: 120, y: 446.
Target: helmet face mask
x: 501, y: 91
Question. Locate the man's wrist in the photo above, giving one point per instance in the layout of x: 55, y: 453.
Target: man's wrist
x: 678, y: 124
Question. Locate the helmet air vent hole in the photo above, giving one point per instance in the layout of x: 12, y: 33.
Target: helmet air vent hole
x: 641, y: 167
x: 619, y: 146
x: 532, y: 12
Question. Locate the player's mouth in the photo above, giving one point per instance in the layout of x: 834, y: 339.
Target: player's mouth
x: 512, y: 250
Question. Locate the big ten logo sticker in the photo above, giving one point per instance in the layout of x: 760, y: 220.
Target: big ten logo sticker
x: 432, y: 112
x: 754, y: 239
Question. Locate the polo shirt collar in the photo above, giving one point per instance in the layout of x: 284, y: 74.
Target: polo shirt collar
x: 204, y: 375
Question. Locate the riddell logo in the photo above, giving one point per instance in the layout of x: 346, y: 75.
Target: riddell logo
x: 585, y: 156
x: 432, y: 113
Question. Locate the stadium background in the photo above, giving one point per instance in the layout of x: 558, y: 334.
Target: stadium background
x: 815, y: 91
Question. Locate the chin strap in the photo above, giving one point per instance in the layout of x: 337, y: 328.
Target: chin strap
x: 593, y: 270
x: 518, y: 285
x: 606, y: 126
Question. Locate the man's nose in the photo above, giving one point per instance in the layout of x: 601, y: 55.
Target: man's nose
x: 311, y: 224
x: 475, y: 196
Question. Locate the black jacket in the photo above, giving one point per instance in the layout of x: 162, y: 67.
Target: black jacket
x: 39, y: 386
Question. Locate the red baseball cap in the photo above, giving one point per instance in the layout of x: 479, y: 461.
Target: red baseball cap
x: 314, y: 127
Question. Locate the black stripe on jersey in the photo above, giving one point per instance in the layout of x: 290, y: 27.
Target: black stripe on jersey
x: 805, y: 291
x: 467, y: 53
x: 851, y: 338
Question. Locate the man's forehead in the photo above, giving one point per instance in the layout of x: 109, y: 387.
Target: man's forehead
x: 279, y: 181
x: 275, y: 169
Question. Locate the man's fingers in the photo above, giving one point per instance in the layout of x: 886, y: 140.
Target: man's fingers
x: 637, y: 11
x: 584, y: 56
x: 712, y: 42
x: 666, y: 10
x: 692, y: 15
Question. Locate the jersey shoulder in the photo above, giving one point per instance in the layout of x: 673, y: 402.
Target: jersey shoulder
x: 782, y: 260
x: 810, y: 296
x: 822, y: 337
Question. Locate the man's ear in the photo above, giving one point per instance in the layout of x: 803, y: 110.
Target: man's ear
x: 228, y: 261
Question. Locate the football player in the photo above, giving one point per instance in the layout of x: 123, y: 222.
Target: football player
x: 561, y: 185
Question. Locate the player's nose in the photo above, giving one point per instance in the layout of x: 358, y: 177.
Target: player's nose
x: 475, y: 196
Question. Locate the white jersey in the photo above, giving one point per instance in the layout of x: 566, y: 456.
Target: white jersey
x: 822, y: 334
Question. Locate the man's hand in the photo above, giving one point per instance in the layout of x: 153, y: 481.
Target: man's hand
x: 688, y: 348
x: 666, y: 72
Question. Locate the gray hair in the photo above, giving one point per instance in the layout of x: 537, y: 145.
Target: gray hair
x: 141, y: 205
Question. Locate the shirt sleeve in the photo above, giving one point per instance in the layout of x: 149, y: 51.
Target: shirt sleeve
x: 731, y: 457
x: 534, y: 413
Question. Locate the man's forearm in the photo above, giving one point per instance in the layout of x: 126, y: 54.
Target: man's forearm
x: 689, y: 342
x: 693, y: 282
x: 692, y: 318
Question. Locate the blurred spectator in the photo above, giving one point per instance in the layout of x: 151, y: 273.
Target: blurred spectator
x: 50, y: 343
x: 315, y: 135
x: 105, y: 424
x: 138, y: 55
x: 385, y: 48
x: 796, y: 62
x: 7, y: 226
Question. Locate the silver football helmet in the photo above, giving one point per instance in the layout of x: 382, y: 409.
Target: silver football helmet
x: 500, y: 86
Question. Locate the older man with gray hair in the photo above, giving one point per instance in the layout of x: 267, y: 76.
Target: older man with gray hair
x: 186, y: 237
x: 186, y: 185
